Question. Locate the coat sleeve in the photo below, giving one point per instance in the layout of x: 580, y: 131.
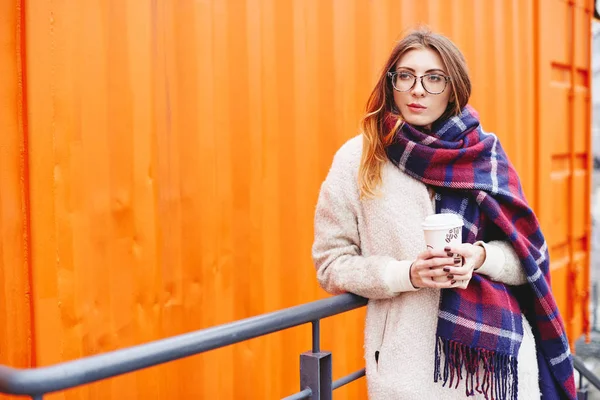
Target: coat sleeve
x: 502, y: 263
x: 336, y: 250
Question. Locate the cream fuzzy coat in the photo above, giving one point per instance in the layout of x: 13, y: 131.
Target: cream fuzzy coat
x: 366, y: 247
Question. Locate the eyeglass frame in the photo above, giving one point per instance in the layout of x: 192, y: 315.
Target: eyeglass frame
x: 391, y: 75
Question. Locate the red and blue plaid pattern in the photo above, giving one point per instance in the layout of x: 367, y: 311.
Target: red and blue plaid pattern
x: 480, y: 328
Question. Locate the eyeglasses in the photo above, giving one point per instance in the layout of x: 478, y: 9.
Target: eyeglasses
x: 403, y: 81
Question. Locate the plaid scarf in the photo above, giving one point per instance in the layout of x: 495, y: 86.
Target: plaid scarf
x: 480, y: 328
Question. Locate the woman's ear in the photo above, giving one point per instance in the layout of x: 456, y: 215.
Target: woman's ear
x: 453, y: 104
x: 453, y: 100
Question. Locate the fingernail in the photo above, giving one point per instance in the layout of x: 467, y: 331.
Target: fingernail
x: 450, y: 254
x: 453, y: 282
x: 450, y: 276
x: 446, y: 269
x: 446, y: 249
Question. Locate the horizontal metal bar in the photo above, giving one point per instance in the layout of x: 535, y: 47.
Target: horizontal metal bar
x: 348, y: 378
x: 589, y: 375
x: 305, y: 394
x: 94, y: 368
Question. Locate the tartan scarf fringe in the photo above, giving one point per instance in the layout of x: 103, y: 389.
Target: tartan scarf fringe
x: 487, y: 372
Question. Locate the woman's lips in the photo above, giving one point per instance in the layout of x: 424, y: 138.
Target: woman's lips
x: 415, y: 108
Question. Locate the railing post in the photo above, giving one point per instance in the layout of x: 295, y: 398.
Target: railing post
x: 316, y: 336
x: 315, y: 373
x: 582, y: 393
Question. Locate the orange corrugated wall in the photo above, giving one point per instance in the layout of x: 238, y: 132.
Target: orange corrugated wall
x: 161, y: 162
x: 16, y: 342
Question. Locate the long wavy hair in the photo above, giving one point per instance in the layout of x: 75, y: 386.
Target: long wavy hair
x: 381, y: 102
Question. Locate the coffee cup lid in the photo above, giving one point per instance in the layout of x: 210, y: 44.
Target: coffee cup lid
x: 442, y: 221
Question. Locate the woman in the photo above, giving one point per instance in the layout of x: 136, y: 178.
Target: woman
x: 488, y: 323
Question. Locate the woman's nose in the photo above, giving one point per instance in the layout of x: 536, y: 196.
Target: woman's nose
x: 418, y: 89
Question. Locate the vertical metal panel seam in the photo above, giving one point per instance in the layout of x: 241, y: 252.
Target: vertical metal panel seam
x: 571, y: 276
x: 52, y: 54
x: 588, y: 183
x: 23, y: 127
x: 536, y: 105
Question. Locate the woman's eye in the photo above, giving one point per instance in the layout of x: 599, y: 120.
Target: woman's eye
x: 404, y: 76
x: 434, y: 78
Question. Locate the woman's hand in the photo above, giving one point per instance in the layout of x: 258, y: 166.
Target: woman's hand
x: 473, y: 257
x: 432, y: 264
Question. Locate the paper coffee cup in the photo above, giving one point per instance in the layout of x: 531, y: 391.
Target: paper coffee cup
x: 442, y: 230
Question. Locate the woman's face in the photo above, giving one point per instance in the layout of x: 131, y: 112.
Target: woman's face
x: 417, y: 106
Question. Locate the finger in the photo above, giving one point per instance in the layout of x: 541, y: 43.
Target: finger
x: 424, y: 255
x: 448, y: 251
x: 419, y: 266
x: 431, y: 253
x: 456, y: 270
x: 445, y: 284
x: 462, y: 277
x: 464, y: 249
x: 445, y: 252
x: 458, y: 260
x: 427, y: 282
x: 432, y: 263
x: 438, y: 262
x: 433, y: 273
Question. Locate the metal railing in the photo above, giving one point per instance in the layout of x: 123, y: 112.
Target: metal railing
x: 584, y: 372
x: 315, y: 366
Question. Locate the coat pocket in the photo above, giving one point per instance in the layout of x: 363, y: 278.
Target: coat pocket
x: 383, y: 334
